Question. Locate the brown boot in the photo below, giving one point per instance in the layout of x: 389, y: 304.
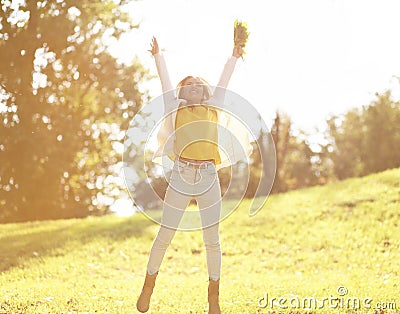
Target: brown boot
x: 213, y: 297
x: 143, y: 302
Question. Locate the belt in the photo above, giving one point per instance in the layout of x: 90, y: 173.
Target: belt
x: 196, y: 163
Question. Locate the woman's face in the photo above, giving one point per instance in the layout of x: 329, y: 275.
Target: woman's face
x: 192, y: 90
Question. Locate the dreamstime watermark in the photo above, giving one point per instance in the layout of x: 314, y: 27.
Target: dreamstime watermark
x: 151, y: 147
x: 341, y: 300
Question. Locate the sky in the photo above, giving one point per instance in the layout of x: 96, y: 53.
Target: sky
x: 308, y: 58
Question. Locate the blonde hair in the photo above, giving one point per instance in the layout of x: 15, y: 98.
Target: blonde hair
x: 206, y: 87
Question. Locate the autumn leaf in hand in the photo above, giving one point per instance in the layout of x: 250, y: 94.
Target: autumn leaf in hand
x: 240, y: 34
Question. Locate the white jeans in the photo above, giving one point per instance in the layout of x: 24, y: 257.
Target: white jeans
x: 186, y: 183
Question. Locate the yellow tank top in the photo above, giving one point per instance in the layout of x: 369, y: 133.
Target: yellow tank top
x: 197, y: 140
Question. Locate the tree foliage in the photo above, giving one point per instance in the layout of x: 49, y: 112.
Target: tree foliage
x: 64, y: 101
x: 366, y: 140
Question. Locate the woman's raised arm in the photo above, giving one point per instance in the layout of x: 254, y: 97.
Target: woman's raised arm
x: 162, y: 70
x: 219, y: 92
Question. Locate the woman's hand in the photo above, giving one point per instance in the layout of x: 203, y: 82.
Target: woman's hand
x: 237, y: 51
x: 154, y: 47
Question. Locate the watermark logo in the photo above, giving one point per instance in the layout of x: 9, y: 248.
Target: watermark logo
x: 151, y: 146
x: 341, y: 300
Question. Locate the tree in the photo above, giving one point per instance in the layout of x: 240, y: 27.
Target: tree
x: 294, y: 158
x: 263, y: 164
x: 64, y: 101
x: 364, y: 140
x: 280, y: 132
x: 298, y: 169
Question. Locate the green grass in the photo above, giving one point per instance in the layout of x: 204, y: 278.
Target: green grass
x: 305, y: 243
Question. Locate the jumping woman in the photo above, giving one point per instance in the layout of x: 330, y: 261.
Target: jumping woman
x: 194, y: 173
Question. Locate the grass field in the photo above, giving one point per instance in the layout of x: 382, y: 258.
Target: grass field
x: 312, y: 244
